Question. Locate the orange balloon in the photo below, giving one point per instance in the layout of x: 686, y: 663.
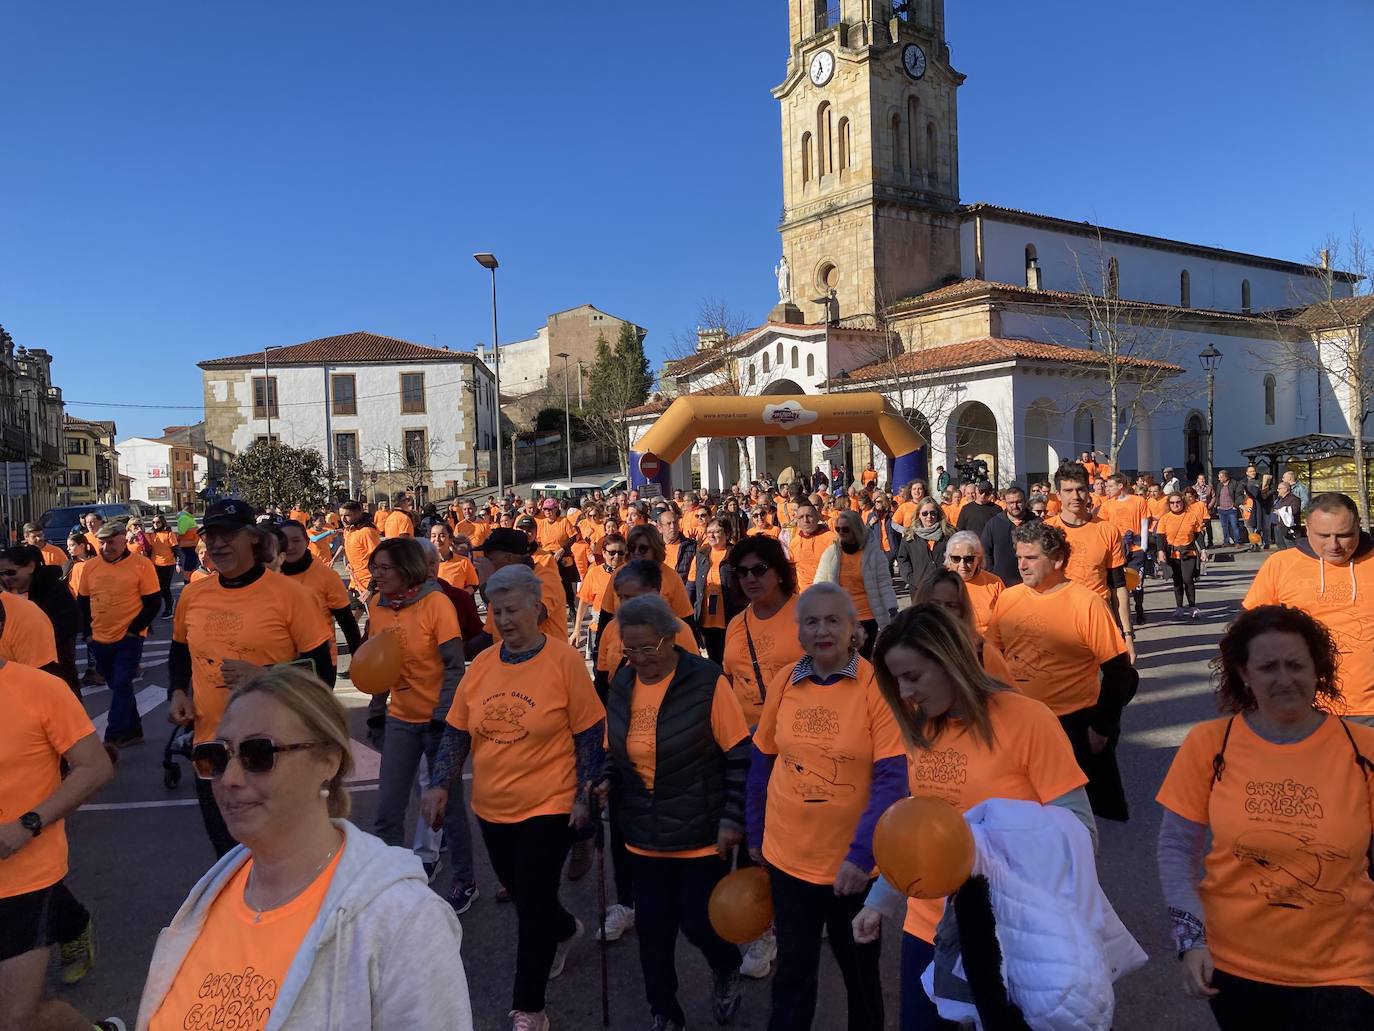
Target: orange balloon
x: 377, y: 665
x: 1132, y: 578
x: 1254, y: 537
x: 923, y: 848
x: 741, y: 906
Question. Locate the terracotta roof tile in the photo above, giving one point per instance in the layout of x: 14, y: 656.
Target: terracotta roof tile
x: 1332, y: 314
x: 986, y: 351
x: 371, y: 348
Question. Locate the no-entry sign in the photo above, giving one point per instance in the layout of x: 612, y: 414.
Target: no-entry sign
x: 829, y: 440
x: 650, y: 465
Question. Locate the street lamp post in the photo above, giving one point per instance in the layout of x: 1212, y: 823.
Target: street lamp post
x: 268, y: 394
x: 489, y: 262
x: 567, y: 409
x: 1211, y: 360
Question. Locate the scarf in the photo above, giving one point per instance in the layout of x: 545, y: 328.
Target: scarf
x: 925, y: 533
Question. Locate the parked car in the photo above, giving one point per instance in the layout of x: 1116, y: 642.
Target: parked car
x: 57, y: 523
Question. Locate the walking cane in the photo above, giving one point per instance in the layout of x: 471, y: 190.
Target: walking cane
x: 601, y: 904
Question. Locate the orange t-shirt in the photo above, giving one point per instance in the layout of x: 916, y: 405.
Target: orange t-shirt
x: 555, y: 533
x: 1053, y: 506
x: 906, y: 512
x: 983, y: 591
x: 78, y: 570
x: 869, y: 476
x: 713, y: 610
x: 555, y: 622
x: 1200, y: 510
x: 165, y: 543
x: 398, y: 524
x: 43, y: 720
x: 458, y: 571
x: 1157, y: 506
x: 1127, y: 512
x: 1030, y: 760
x: 117, y: 590
x: 673, y: 590
x: 27, y: 635
x: 235, y: 968
x: 995, y: 665
x: 1179, y: 529
x: 775, y: 643
x: 1286, y: 893
x: 826, y: 740
x: 641, y: 740
x: 594, y: 585
x: 952, y: 511
x: 1094, y: 548
x: 764, y: 531
x: 53, y: 555
x: 190, y: 538
x: 851, y: 578
x: 274, y: 619
x: 522, y: 718
x: 300, y: 515
x: 320, y: 549
x: 422, y: 627
x: 611, y: 651
x: 359, y: 544
x: 1055, y: 642
x: 805, y: 553
x: 199, y: 574
x: 1341, y: 597
x: 329, y: 593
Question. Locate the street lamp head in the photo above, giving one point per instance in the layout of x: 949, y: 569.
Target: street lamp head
x: 487, y: 261
x: 1210, y: 358
x: 562, y: 354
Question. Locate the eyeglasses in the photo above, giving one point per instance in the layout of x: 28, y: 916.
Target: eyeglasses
x: 644, y: 653
x: 255, y: 755
x: 758, y: 571
x: 963, y: 559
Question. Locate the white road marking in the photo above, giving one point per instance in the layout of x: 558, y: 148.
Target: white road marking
x: 367, y: 763
x: 1170, y: 736
x: 1171, y: 694
x: 147, y: 700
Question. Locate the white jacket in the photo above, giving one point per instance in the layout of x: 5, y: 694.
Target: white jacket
x: 383, y: 954
x: 882, y: 597
x: 1062, y: 943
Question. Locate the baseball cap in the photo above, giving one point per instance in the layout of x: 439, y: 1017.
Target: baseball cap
x: 505, y: 539
x: 984, y: 487
x: 111, y: 529
x: 230, y: 513
x: 526, y: 523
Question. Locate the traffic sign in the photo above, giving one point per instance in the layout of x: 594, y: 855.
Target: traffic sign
x: 829, y: 440
x: 650, y: 465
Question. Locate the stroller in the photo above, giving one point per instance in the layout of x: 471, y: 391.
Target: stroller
x: 178, y: 744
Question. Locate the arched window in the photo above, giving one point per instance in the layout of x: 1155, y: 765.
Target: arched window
x: 811, y: 365
x: 1113, y: 278
x: 1269, y: 400
x: 913, y: 119
x: 825, y: 140
x: 1185, y: 289
x: 765, y: 362
x: 932, y: 160
x: 844, y: 145
x: 897, y: 142
x: 751, y: 371
x: 1032, y: 266
x: 1245, y: 295
x: 806, y: 157
x: 795, y: 356
x: 779, y: 354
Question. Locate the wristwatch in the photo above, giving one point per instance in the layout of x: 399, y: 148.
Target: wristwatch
x: 32, y: 822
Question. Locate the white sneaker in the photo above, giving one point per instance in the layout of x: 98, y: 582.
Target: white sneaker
x: 560, y: 956
x: 758, y: 958
x: 521, y: 1021
x: 619, y: 921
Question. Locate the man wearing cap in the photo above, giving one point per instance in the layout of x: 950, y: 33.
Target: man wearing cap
x: 977, y: 513
x: 556, y: 534
x: 119, y: 598
x: 52, y: 554
x: 506, y: 547
x: 229, y: 625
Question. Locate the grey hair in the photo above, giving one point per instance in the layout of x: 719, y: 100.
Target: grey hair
x: 967, y: 537
x: 431, y: 552
x: 517, y: 579
x: 647, y: 610
x: 825, y: 591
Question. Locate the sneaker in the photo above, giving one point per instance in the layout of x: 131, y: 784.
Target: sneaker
x: 432, y: 869
x: 579, y: 860
x: 560, y: 956
x: 521, y: 1021
x: 619, y: 921
x: 78, y: 956
x: 92, y: 678
x: 462, y: 898
x: 502, y: 895
x: 1195, y: 614
x: 1179, y: 614
x: 111, y: 1024
x: 758, y: 958
x: 727, y: 992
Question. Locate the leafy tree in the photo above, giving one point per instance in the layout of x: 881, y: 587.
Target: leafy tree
x: 277, y: 474
x: 619, y: 380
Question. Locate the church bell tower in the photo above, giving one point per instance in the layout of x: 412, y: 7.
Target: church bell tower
x: 870, y: 144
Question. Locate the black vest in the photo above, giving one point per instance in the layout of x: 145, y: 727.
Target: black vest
x: 684, y: 809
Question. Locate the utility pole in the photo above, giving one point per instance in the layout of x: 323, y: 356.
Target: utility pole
x: 489, y: 262
x: 567, y: 408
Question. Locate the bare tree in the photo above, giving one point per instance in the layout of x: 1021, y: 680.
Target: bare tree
x: 1330, y: 333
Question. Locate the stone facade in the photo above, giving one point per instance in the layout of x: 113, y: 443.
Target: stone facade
x: 533, y: 367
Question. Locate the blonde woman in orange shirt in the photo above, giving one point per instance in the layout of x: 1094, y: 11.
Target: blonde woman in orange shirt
x: 1178, y: 531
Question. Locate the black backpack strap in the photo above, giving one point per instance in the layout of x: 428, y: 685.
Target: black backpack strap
x: 754, y: 658
x: 1365, y: 764
x: 1219, y: 760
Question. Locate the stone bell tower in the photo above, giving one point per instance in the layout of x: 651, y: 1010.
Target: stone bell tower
x: 870, y: 145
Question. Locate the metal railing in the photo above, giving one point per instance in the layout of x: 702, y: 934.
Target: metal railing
x: 827, y: 17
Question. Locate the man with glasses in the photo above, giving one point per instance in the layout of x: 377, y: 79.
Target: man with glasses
x: 229, y: 625
x: 999, y: 552
x: 679, y: 552
x: 979, y: 511
x: 807, y: 543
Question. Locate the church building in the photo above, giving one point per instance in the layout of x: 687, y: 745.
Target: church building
x: 1019, y: 338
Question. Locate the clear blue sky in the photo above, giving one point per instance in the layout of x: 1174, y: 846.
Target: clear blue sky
x: 191, y: 179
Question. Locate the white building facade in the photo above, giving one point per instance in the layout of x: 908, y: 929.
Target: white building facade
x: 147, y: 462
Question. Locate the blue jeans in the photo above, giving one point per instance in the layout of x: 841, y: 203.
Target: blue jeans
x: 118, y: 664
x: 1230, y: 525
x: 918, y: 1012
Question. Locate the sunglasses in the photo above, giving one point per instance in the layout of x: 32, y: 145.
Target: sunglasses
x: 617, y: 553
x: 758, y: 571
x: 964, y: 560
x: 255, y: 755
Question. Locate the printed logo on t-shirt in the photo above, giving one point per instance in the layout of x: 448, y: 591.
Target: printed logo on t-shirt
x: 818, y: 721
x: 818, y: 774
x: 949, y: 766
x: 503, y: 717
x: 1028, y: 657
x: 1290, y: 868
x: 644, y: 720
x: 242, y: 1001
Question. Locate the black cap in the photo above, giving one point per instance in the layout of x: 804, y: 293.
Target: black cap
x: 513, y: 542
x: 984, y: 487
x: 230, y: 513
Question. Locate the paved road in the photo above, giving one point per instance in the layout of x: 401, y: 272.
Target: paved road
x: 139, y: 848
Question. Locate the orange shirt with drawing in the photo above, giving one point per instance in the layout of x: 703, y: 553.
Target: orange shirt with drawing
x: 26, y: 636
x: 43, y: 721
x: 826, y: 740
x: 1342, y: 598
x: 233, y: 972
x: 329, y: 593
x: 1030, y: 760
x: 1286, y: 893
x: 522, y: 718
x: 641, y: 740
x: 983, y: 589
x: 117, y: 590
x: 1094, y: 548
x: 805, y: 553
x: 775, y: 644
x: 1055, y: 643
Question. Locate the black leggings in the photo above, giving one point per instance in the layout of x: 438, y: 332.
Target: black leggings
x: 1245, y: 1005
x: 715, y: 643
x: 1184, y: 569
x: 164, y: 586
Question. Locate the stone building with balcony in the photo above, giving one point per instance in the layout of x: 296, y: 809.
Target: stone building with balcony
x: 30, y: 431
